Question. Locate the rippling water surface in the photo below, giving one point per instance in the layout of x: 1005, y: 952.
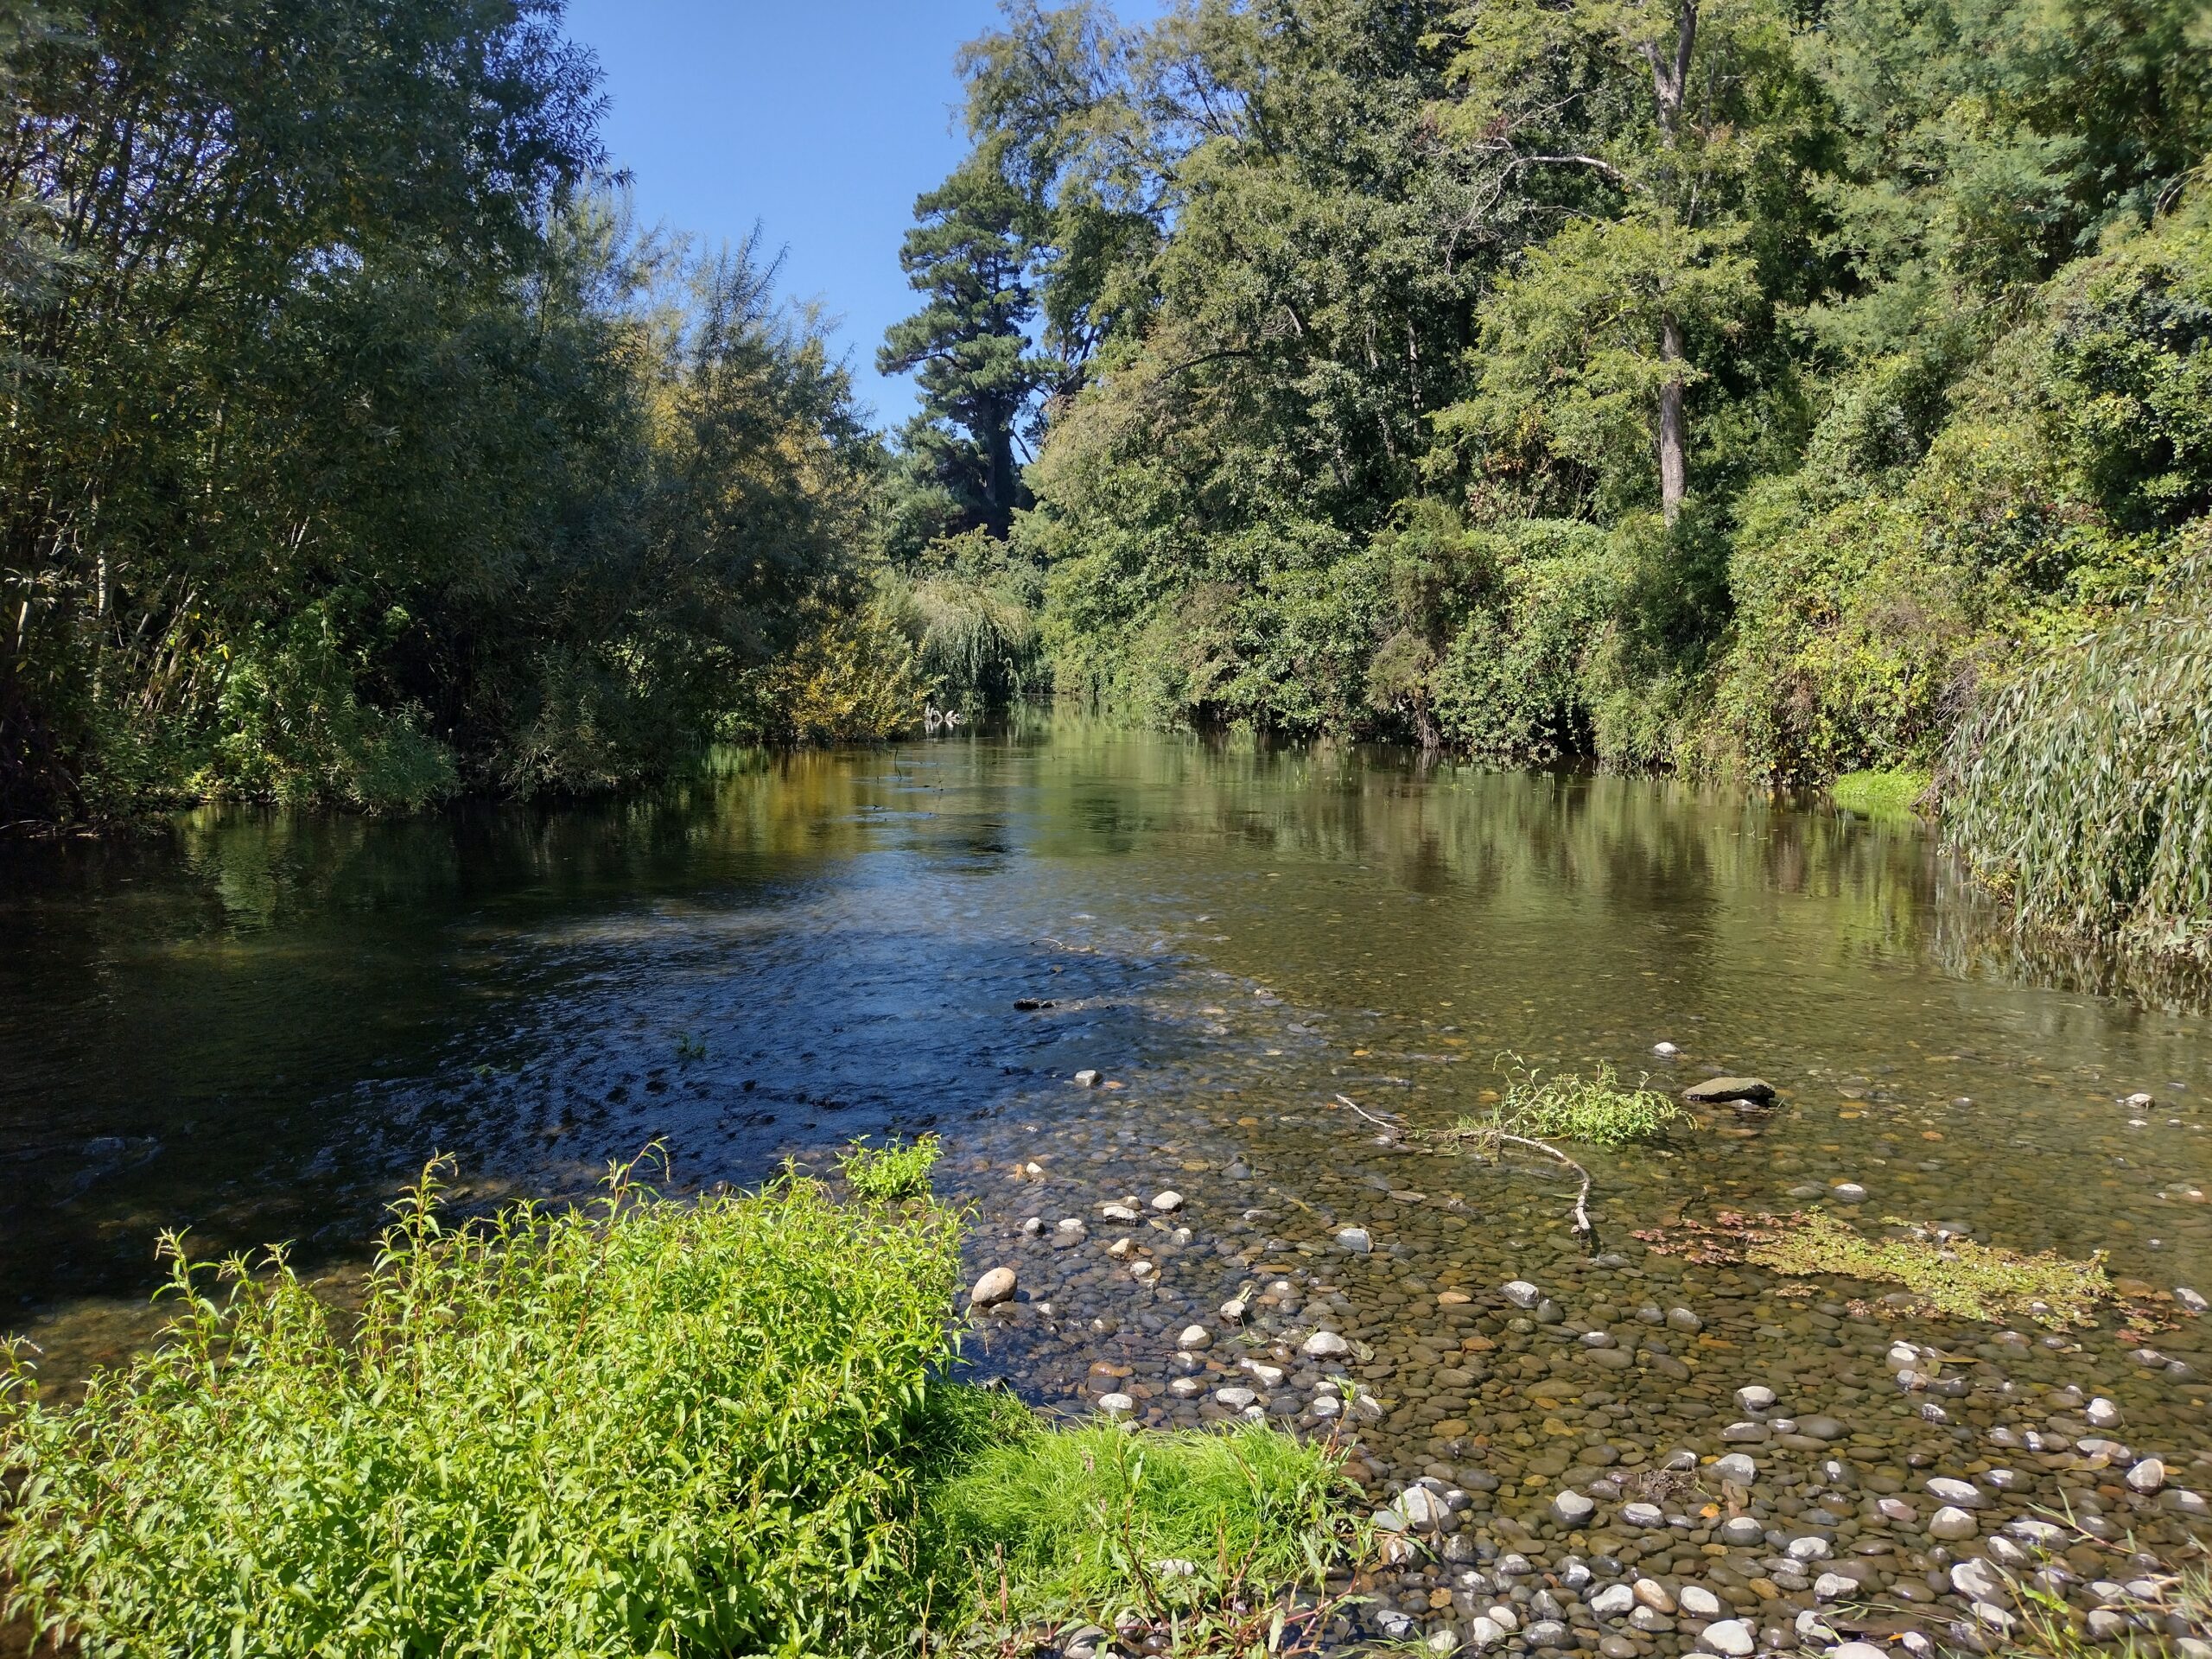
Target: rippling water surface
x: 257, y: 1028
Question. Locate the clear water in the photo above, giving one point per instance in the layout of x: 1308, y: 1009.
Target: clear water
x: 259, y: 1026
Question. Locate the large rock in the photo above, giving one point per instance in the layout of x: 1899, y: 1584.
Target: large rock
x: 994, y: 1287
x: 1714, y: 1091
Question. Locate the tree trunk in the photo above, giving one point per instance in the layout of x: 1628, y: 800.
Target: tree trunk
x: 1673, y: 473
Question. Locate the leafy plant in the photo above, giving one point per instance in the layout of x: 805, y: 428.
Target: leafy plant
x: 881, y: 1173
x: 1879, y: 793
x: 1597, y: 1110
x: 639, y: 1425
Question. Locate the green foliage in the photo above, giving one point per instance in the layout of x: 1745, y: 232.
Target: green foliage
x: 1084, y: 1522
x: 1879, y: 794
x: 891, y: 1171
x: 639, y: 1425
x: 970, y: 607
x: 2082, y: 786
x: 1595, y: 1111
x: 1954, y: 1277
x: 850, y: 678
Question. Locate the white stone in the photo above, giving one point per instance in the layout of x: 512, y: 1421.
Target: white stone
x: 1978, y: 1580
x: 1612, y: 1601
x: 1167, y: 1203
x: 1667, y: 1051
x: 1324, y: 1345
x: 994, y: 1287
x: 1355, y: 1239
x: 1116, y: 1405
x: 2102, y: 1413
x: 1194, y: 1337
x: 1847, y: 1192
x: 1422, y: 1507
x: 1856, y: 1650
x: 2147, y: 1477
x: 1643, y: 1514
x: 1086, y: 1080
x: 1736, y: 1469
x: 1233, y: 1309
x: 1951, y: 1525
x: 1830, y: 1586
x: 1653, y: 1594
x: 1810, y: 1547
x: 1754, y: 1397
x: 1486, y: 1632
x: 1963, y: 1494
x: 1732, y: 1638
x: 1236, y: 1399
x: 1267, y: 1375
x: 1572, y: 1510
x: 2191, y: 1299
x: 1522, y: 1294
x: 1699, y: 1602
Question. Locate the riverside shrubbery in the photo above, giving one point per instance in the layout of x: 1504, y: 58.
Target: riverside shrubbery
x: 640, y: 1426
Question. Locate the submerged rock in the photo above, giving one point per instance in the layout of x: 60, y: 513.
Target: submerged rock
x: 1714, y: 1091
x: 995, y: 1287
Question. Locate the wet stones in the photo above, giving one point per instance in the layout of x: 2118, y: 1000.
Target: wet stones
x: 1754, y: 1398
x: 2101, y: 1413
x: 1521, y: 1293
x: 1731, y: 1638
x: 1086, y: 1078
x: 1193, y: 1338
x: 995, y: 1287
x: 1960, y: 1494
x: 1572, y: 1510
x: 1355, y: 1240
x: 1612, y: 1601
x: 2147, y: 1477
x: 1847, y: 1192
x: 1233, y: 1311
x: 1745, y: 1434
x: 1643, y: 1514
x: 1741, y: 1532
x: 1736, y: 1469
x: 1117, y: 1406
x: 1324, y: 1344
x: 1167, y: 1203
x: 1236, y: 1398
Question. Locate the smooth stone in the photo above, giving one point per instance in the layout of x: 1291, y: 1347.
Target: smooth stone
x: 1643, y: 1514
x: 1732, y: 1638
x: 1545, y: 1633
x: 1745, y: 1435
x: 1680, y: 1318
x: 1086, y: 1080
x: 1324, y: 1345
x: 1978, y: 1580
x: 1736, y: 1469
x: 1236, y: 1399
x: 1522, y: 1294
x: 1654, y: 1595
x: 2102, y: 1413
x: 1741, y: 1532
x: 1847, y: 1192
x: 1952, y: 1524
x: 1857, y: 1650
x: 1571, y: 1510
x: 994, y: 1287
x: 1486, y: 1632
x: 2147, y: 1477
x: 1821, y: 1428
x: 1811, y: 1547
x: 1233, y: 1309
x: 1755, y: 1398
x: 1355, y: 1240
x: 1714, y: 1091
x: 1117, y: 1405
x: 1961, y: 1494
x: 1665, y: 1050
x: 1167, y: 1203
x: 1699, y: 1602
x: 1831, y: 1586
x: 1194, y: 1337
x: 1612, y: 1601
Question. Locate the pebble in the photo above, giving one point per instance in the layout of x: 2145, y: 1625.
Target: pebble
x: 1117, y: 1405
x: 1485, y: 1631
x: 2147, y: 1477
x: 1194, y: 1337
x: 1830, y: 1586
x: 1522, y: 1294
x: 2101, y: 1413
x: 1324, y: 1345
x: 1233, y: 1309
x: 1355, y: 1240
x: 1960, y: 1494
x: 1755, y: 1398
x: 2190, y: 1299
x: 1167, y: 1203
x: 1732, y: 1638
x: 1653, y: 1594
x: 1951, y: 1525
x: 1086, y: 1080
x: 1235, y: 1398
x: 1742, y: 1531
x: 1736, y: 1469
x: 1714, y: 1091
x: 1572, y: 1510
x: 1643, y: 1514
x: 1810, y: 1547
x: 1665, y: 1050
x: 1856, y: 1650
x: 1699, y: 1602
x: 1612, y: 1601
x: 1847, y: 1192
x: 1978, y: 1580
x: 995, y: 1287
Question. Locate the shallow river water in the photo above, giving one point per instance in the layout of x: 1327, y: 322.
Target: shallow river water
x: 259, y: 1026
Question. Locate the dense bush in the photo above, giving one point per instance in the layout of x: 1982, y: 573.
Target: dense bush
x: 643, y: 1426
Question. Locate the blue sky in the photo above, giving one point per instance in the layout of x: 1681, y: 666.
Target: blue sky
x: 823, y: 121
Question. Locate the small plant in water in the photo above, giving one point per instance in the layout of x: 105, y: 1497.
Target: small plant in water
x: 1595, y: 1111
x: 689, y: 1047
x: 1954, y: 1276
x: 888, y: 1172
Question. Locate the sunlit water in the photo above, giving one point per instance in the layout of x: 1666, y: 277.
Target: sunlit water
x: 258, y: 1028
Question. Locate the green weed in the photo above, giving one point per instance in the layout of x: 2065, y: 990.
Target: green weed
x: 884, y: 1174
x: 1955, y: 1277
x: 1595, y: 1111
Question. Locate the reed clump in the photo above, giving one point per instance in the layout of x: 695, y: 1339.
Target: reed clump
x: 2082, y: 789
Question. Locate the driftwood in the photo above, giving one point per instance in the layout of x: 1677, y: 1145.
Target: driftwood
x: 1486, y: 1139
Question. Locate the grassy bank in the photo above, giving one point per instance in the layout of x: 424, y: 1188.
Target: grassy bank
x: 640, y: 1427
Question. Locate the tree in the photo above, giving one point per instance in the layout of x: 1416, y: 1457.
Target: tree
x: 971, y: 341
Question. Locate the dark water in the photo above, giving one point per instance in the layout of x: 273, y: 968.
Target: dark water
x: 257, y: 1028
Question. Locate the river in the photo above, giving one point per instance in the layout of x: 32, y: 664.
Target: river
x: 258, y: 1026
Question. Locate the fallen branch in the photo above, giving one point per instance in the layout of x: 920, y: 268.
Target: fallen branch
x: 1486, y: 1139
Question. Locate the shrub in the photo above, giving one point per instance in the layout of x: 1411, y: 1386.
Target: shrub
x: 641, y: 1425
x: 888, y: 1172
x: 1879, y: 793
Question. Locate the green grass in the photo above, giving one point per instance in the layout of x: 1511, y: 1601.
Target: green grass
x: 1076, y: 1523
x: 1595, y: 1111
x: 640, y: 1426
x: 880, y: 1174
x: 1879, y: 794
x: 1957, y: 1278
